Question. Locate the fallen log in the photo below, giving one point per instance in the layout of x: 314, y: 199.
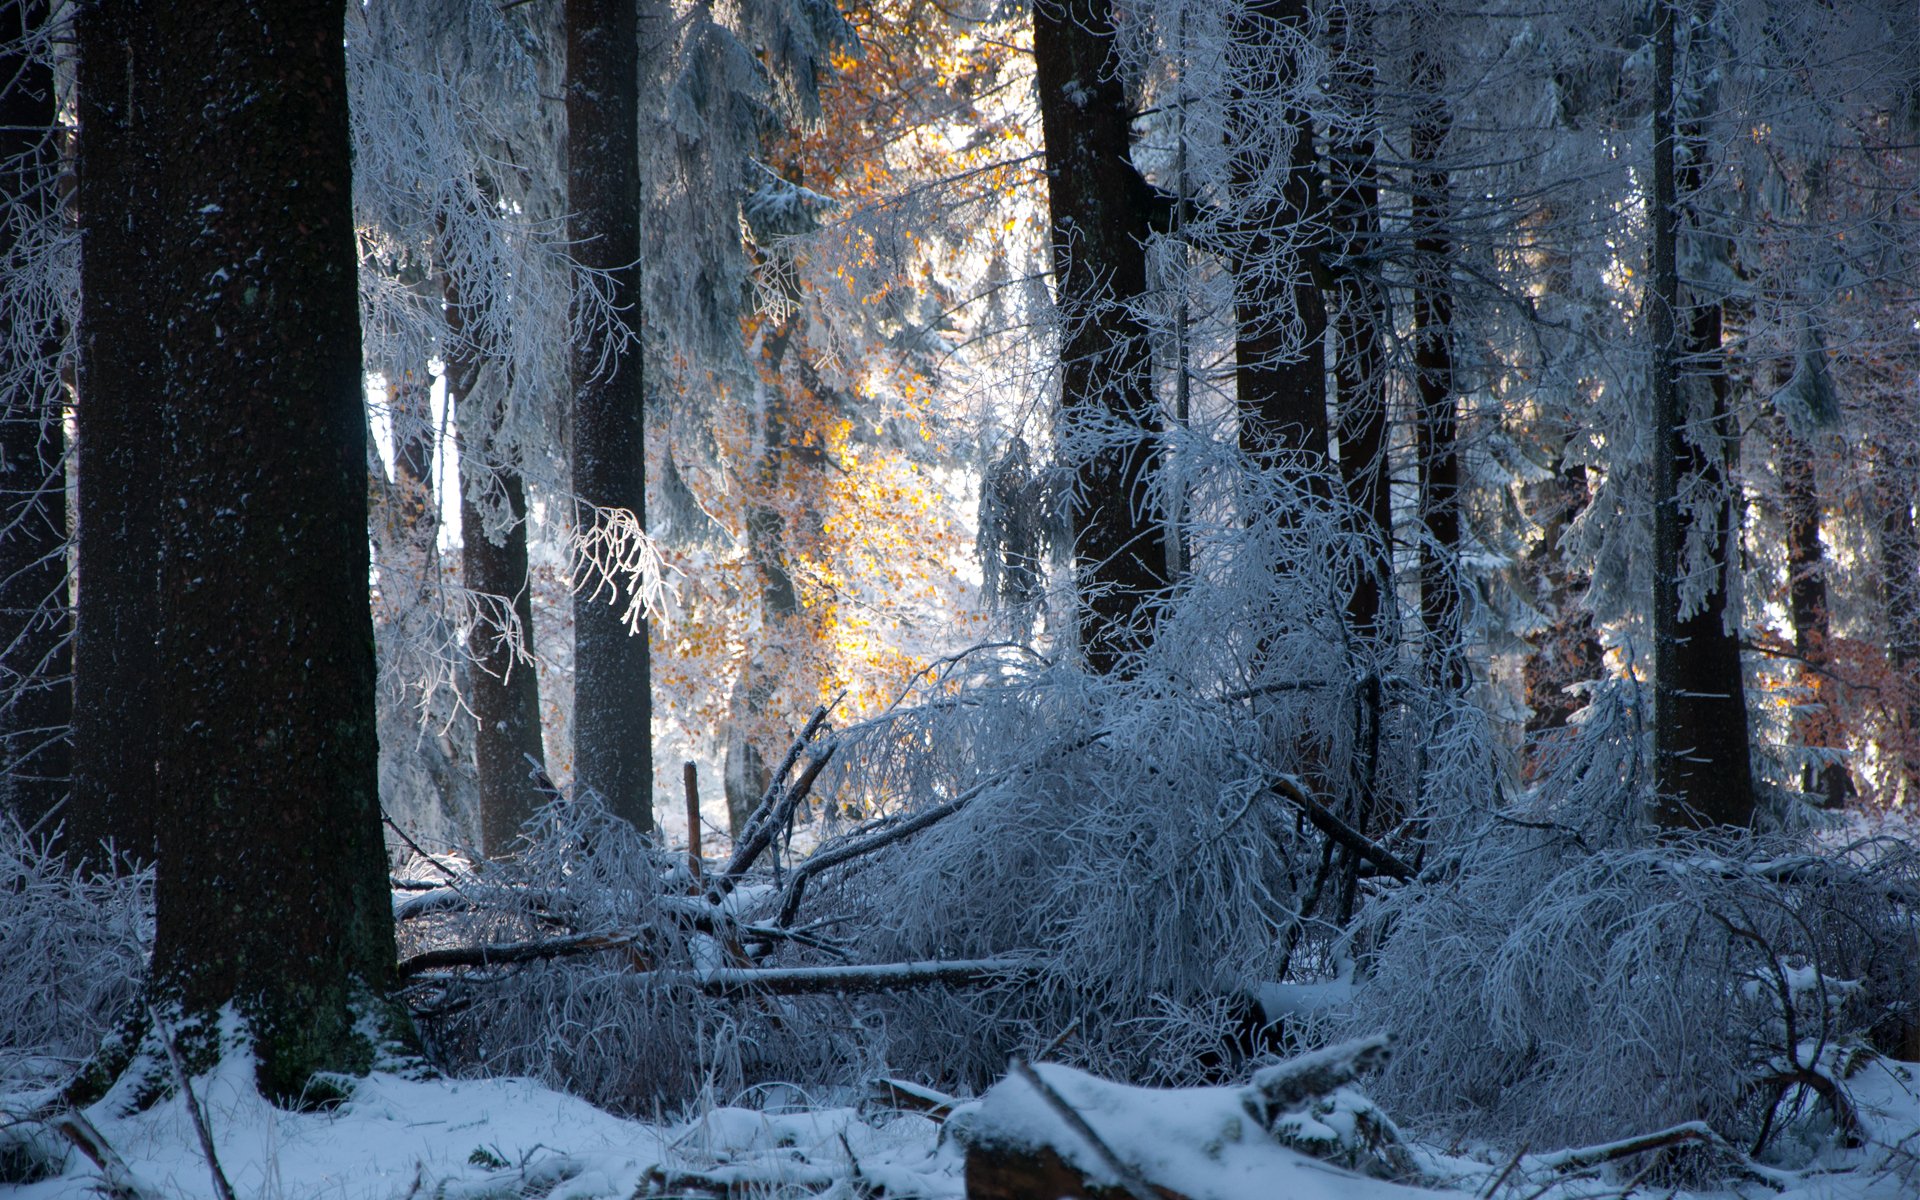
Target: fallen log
x: 1050, y: 1131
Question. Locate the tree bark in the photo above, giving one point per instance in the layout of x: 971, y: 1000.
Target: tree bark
x: 1566, y: 651
x: 505, y: 690
x: 271, y: 892
x: 121, y: 362
x: 612, y: 699
x: 1280, y: 364
x: 1359, y: 314
x: 1436, y: 427
x: 1894, y: 470
x: 1702, y: 772
x: 1100, y: 209
x: 36, y: 697
x: 1815, y: 727
x: 503, y: 686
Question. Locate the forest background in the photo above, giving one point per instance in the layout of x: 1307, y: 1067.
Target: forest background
x: 1191, y: 527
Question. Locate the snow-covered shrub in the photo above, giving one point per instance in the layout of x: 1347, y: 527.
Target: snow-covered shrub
x: 73, y: 955
x: 1122, y: 835
x: 1566, y: 978
x: 627, y: 1027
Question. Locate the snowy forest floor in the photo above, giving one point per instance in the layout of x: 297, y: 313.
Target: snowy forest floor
x: 467, y: 1139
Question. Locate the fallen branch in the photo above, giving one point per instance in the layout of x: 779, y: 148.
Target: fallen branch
x: 902, y: 1096
x: 861, y: 843
x: 833, y: 856
x: 760, y: 827
x: 1692, y: 1133
x: 116, y: 1178
x: 728, y: 981
x: 871, y: 977
x: 1288, y: 788
x: 501, y: 954
x: 221, y: 1187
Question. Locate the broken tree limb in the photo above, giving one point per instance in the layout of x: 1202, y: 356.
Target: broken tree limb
x: 901, y: 1095
x: 500, y: 954
x: 833, y: 856
x: 1289, y: 788
x: 760, y: 827
x: 729, y: 981
x: 117, y: 1180
x: 870, y: 977
x: 221, y: 1188
x: 885, y: 833
x: 1691, y: 1133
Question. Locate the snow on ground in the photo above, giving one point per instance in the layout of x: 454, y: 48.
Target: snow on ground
x: 399, y: 1138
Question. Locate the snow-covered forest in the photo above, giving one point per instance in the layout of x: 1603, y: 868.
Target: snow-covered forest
x: 919, y: 598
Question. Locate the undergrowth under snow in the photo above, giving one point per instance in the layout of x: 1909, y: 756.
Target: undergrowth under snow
x: 399, y: 1138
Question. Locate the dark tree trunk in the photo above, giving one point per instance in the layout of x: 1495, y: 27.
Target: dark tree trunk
x: 1895, y: 471
x: 116, y: 705
x: 1702, y: 770
x: 612, y: 690
x: 1100, y: 209
x: 1280, y: 364
x: 503, y: 688
x: 1566, y: 652
x: 271, y: 893
x: 1815, y: 727
x: 1436, y: 425
x: 1359, y: 314
x: 36, y: 696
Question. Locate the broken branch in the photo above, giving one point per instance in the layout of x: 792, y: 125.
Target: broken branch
x: 1359, y: 843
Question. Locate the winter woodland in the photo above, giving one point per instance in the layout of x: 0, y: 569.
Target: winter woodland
x: 919, y: 598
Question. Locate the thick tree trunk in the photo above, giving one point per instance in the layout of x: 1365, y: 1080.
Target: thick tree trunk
x: 1100, y: 209
x: 271, y: 893
x: 115, y: 709
x: 612, y: 689
x: 1702, y: 771
x: 1359, y: 308
x: 36, y: 696
x: 1895, y: 470
x: 1280, y: 363
x: 503, y: 688
x: 1436, y: 426
x: 1815, y: 727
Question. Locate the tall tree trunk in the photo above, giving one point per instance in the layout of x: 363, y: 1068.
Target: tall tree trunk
x: 612, y: 697
x: 1702, y: 771
x: 1436, y: 426
x: 1280, y: 364
x: 1566, y: 651
x: 271, y: 893
x: 1815, y: 727
x: 36, y: 696
x: 1100, y: 209
x: 503, y: 688
x: 1895, y: 470
x: 1359, y: 306
x: 116, y: 712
